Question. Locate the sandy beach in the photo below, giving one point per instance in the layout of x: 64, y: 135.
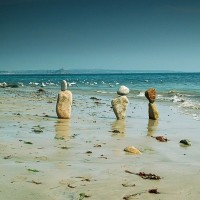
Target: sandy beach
x: 43, y: 157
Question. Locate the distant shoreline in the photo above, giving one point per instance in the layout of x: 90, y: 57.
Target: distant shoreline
x: 71, y: 72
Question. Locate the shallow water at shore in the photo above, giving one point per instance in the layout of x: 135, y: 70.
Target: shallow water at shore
x: 181, y: 90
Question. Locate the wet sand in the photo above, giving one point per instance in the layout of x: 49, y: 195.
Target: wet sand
x: 83, y: 158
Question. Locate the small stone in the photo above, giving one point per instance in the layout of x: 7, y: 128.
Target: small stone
x: 115, y: 131
x: 133, y: 150
x: 154, y: 191
x: 41, y: 90
x: 88, y: 152
x: 186, y: 142
x: 94, y: 98
x: 38, y: 129
x: 123, y: 90
x: 161, y: 138
x: 63, y: 85
x: 150, y: 94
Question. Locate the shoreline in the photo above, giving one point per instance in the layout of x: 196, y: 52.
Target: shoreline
x: 65, y: 169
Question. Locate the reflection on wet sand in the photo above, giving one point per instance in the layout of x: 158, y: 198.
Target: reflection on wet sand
x: 62, y: 128
x: 119, y: 127
x: 152, y: 127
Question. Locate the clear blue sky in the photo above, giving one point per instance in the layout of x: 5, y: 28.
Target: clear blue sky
x: 107, y: 34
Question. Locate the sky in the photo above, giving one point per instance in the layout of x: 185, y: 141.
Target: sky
x: 100, y: 34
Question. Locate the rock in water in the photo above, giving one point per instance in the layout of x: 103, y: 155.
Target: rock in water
x: 119, y: 106
x: 150, y: 94
x: 123, y: 90
x: 132, y: 150
x: 186, y: 142
x: 153, y: 111
x: 64, y: 104
x: 63, y: 85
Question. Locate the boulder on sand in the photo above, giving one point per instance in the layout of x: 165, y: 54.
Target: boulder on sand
x: 64, y: 102
x: 119, y: 106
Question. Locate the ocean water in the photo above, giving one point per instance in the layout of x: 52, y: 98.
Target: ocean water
x: 175, y: 89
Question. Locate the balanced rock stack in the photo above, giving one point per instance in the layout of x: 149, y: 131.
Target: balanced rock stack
x: 64, y: 102
x: 120, y: 103
x: 150, y: 94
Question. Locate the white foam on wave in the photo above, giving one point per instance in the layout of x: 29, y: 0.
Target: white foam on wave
x: 43, y: 84
x: 190, y: 104
x: 141, y: 94
x: 187, y: 104
x: 195, y: 117
x: 104, y: 92
x: 72, y: 83
x: 176, y: 99
x: 159, y: 96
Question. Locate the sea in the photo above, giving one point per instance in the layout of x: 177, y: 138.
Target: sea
x: 181, y: 90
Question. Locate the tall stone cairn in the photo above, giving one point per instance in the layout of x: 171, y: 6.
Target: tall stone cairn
x: 64, y: 102
x: 150, y: 94
x: 120, y: 103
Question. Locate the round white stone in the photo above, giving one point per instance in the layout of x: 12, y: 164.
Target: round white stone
x: 63, y: 85
x: 123, y: 90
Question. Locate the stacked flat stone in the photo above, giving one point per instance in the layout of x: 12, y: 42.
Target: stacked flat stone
x: 150, y: 94
x: 120, y: 103
x: 64, y: 102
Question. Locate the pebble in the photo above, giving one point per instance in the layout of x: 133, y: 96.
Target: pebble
x: 186, y: 142
x: 63, y: 85
x: 133, y: 150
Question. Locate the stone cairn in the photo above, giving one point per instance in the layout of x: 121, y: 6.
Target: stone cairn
x: 120, y: 103
x: 64, y: 102
x: 150, y: 94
